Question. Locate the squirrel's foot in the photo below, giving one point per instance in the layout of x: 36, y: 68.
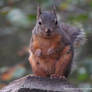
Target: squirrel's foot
x: 50, y: 51
x: 56, y: 76
x: 38, y: 52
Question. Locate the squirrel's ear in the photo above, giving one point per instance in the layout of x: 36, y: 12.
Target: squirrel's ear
x: 54, y: 9
x: 38, y: 11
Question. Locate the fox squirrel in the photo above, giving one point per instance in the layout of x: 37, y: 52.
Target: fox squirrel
x: 52, y: 46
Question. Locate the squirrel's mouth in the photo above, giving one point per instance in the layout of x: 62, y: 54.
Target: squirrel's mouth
x: 48, y: 34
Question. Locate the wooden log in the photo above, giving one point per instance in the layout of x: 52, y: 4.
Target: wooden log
x: 39, y: 84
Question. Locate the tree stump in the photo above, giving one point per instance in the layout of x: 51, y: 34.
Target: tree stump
x: 38, y: 84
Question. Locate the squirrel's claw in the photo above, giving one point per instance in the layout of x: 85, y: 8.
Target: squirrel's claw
x: 56, y: 76
x: 38, y: 52
x: 50, y: 51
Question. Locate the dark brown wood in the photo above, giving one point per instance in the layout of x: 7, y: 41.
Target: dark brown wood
x: 38, y: 84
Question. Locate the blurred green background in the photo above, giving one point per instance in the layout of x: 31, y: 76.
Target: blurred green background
x: 17, y: 19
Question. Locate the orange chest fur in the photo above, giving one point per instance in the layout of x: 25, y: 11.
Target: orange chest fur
x: 45, y: 44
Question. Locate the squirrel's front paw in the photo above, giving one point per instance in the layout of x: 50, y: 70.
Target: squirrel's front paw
x: 38, y: 52
x: 50, y: 51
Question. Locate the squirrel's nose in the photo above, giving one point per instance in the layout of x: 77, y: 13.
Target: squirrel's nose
x: 48, y: 31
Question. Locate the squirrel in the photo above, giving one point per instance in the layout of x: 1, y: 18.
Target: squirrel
x: 52, y: 45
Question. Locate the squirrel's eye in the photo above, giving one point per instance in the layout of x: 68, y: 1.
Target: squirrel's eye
x: 40, y: 23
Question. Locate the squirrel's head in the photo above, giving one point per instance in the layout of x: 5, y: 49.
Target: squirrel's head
x: 47, y: 24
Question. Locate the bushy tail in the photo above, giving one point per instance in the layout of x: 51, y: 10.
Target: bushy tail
x: 76, y: 35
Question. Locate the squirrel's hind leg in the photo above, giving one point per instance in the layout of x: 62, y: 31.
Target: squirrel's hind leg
x: 64, y: 63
